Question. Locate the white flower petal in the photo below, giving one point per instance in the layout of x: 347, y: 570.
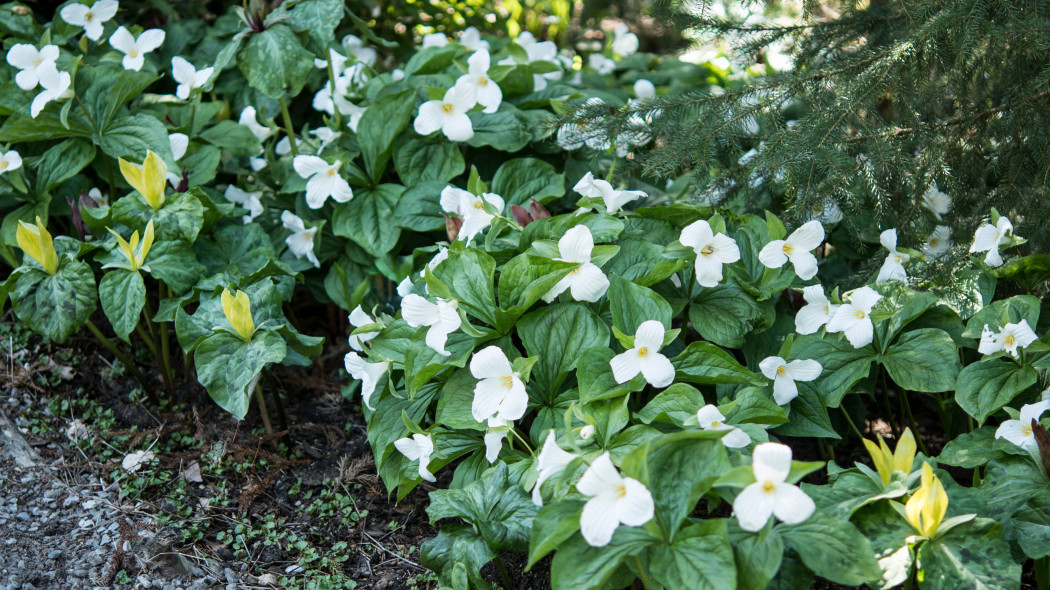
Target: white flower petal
x: 457, y: 127
x: 772, y: 462
x: 650, y: 335
x: 696, y: 235
x: 791, y: 505
x: 784, y: 390
x: 625, y: 366
x: 601, y: 476
x: 772, y: 254
x: 576, y: 245
x: 770, y: 365
x: 597, y: 521
x: 753, y: 507
x: 657, y: 369
x: 587, y: 283
x: 736, y: 439
x: 490, y: 362
x: 804, y: 370
x: 636, y: 506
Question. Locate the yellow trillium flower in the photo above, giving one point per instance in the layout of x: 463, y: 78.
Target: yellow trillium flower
x: 926, y: 507
x: 149, y: 179
x: 136, y: 258
x: 238, y: 310
x: 887, y: 462
x: 36, y: 243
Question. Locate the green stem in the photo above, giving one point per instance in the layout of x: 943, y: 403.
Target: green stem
x: 518, y: 436
x: 503, y: 573
x: 886, y: 405
x: 641, y: 574
x: 849, y: 420
x: 612, y: 168
x: 288, y: 129
x: 165, y: 346
x: 331, y: 80
x: 98, y: 133
x: 906, y: 405
x: 1042, y: 573
x: 124, y: 359
x: 146, y: 339
x: 263, y: 412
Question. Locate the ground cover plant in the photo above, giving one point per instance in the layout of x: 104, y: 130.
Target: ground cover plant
x: 600, y: 369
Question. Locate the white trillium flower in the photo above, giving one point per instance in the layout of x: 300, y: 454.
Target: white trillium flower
x: 338, y: 62
x: 324, y: 182
x: 854, y: 318
x: 500, y: 392
x: 471, y: 39
x: 989, y: 237
x: 939, y: 242
x: 301, y: 242
x: 476, y: 81
x: 624, y: 41
x: 133, y: 461
x: 435, y: 40
x: 257, y: 164
x: 28, y: 59
x: 449, y: 115
x: 442, y: 318
x: 712, y: 251
x: 586, y: 283
x: 601, y: 64
x: 92, y: 19
x: 937, y: 202
x: 10, y: 161
x: 420, y: 447
x: 644, y: 89
x: 178, y: 142
x: 284, y: 146
x: 614, y: 499
x: 495, y: 433
x: 710, y: 418
x: 771, y: 495
x: 893, y: 268
x: 55, y: 86
x: 550, y: 461
x: 135, y: 50
x: 586, y: 432
x: 354, y: 112
x: 188, y: 77
x: 326, y: 136
x: 249, y: 200
x: 536, y: 51
x: 359, y: 318
x: 356, y: 46
x: 1009, y: 339
x: 645, y: 358
x: 798, y: 248
x: 249, y: 120
x: 1019, y: 432
x: 471, y: 208
x: 785, y: 374
x: 817, y: 311
x: 405, y: 286
x: 365, y: 372
x: 96, y: 195
x: 589, y: 186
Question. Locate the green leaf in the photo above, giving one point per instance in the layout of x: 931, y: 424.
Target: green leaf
x: 753, y: 405
x: 180, y: 218
x: 1028, y: 271
x: 641, y: 261
x: 1031, y: 528
x: 105, y: 90
x: 843, y: 365
x: 419, y: 208
x: 468, y: 274
x: 432, y: 59
x: 368, y: 219
x: 989, y: 384
x: 973, y: 555
x: 131, y: 136
x: 385, y: 426
x: 700, y: 558
x: 724, y: 315
x: 57, y: 305
x: 552, y: 526
x: 1002, y: 312
x: 907, y: 305
x: 522, y: 179
x: 457, y: 545
x: 523, y: 281
x: 498, y: 508
x: 834, y: 549
x: 809, y: 415
x: 970, y: 449
x: 422, y: 159
x: 319, y: 18
x: 502, y: 130
x: 454, y: 405
x: 559, y: 334
x: 707, y: 364
x: 578, y: 566
x: 675, y: 404
x: 923, y: 360
x: 174, y: 262
x: 379, y: 125
x: 274, y: 62
x: 758, y: 556
x: 422, y: 363
x: 232, y: 136
x: 595, y: 376
x: 45, y: 126
x: 633, y: 304
x: 228, y: 367
x: 237, y: 251
x: 62, y: 162
x: 123, y: 294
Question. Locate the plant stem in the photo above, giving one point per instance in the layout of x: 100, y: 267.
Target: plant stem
x: 641, y: 574
x: 1042, y: 573
x: 124, y: 359
x: 503, y: 573
x: 514, y: 431
x: 288, y: 129
x: 282, y: 418
x: 886, y: 406
x: 165, y: 357
x: 331, y: 81
x: 263, y: 412
x: 145, y: 338
x: 612, y: 168
x: 906, y: 405
x: 849, y: 420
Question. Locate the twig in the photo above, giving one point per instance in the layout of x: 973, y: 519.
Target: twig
x: 385, y: 550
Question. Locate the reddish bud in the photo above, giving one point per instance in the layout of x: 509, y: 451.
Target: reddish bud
x: 537, y: 210
x: 520, y: 215
x: 452, y: 226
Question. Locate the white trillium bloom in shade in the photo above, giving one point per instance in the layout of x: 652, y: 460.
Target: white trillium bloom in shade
x: 1009, y: 339
x: 471, y: 208
x: 785, y: 374
x: 249, y: 200
x: 476, y: 81
x: 938, y: 243
x: 797, y: 248
x: 816, y: 312
x: 354, y: 45
x: 435, y: 40
x: 55, y: 86
x: 101, y: 199
x: 471, y: 39
x: 135, y: 50
x: 551, y: 460
x: 365, y: 372
x: 989, y: 237
x: 644, y: 89
x: 586, y: 283
x: 91, y: 18
x: 710, y: 418
x: 324, y: 182
x: 301, y: 242
x: 442, y: 318
x: 338, y: 63
x: 1019, y: 432
x: 28, y: 59
x: 359, y: 318
x: 178, y: 142
x: 449, y: 115
x: 494, y: 435
x: 937, y: 202
x: 600, y: 63
x: 771, y: 495
x: 614, y: 499
x: 249, y: 120
x: 893, y: 268
x: 133, y: 461
x: 284, y: 146
x: 586, y: 432
x: 420, y: 447
x: 500, y: 392
x: 712, y: 251
x: 645, y: 358
x: 10, y: 161
x: 624, y: 41
x: 188, y: 77
x: 589, y: 186
x: 854, y: 318
x: 354, y: 112
x: 326, y: 137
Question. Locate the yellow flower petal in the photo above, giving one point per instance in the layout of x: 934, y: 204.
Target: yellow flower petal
x: 238, y: 312
x: 904, y: 455
x: 36, y: 242
x: 927, y: 506
x: 128, y: 249
x: 147, y: 242
x: 149, y: 179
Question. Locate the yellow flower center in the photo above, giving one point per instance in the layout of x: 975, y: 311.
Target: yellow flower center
x: 38, y: 61
x: 768, y: 487
x: 788, y: 248
x: 897, y: 258
x: 447, y: 108
x: 858, y: 314
x: 134, y: 53
x: 331, y: 172
x: 621, y: 490
x: 4, y: 165
x: 707, y: 250
x: 574, y: 271
x: 781, y: 371
x: 827, y: 308
x: 483, y: 81
x: 643, y: 351
x: 716, y: 424
x: 1026, y: 430
x: 507, y: 381
x: 1009, y: 341
x: 479, y: 205
x: 934, y: 242
x: 89, y: 17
